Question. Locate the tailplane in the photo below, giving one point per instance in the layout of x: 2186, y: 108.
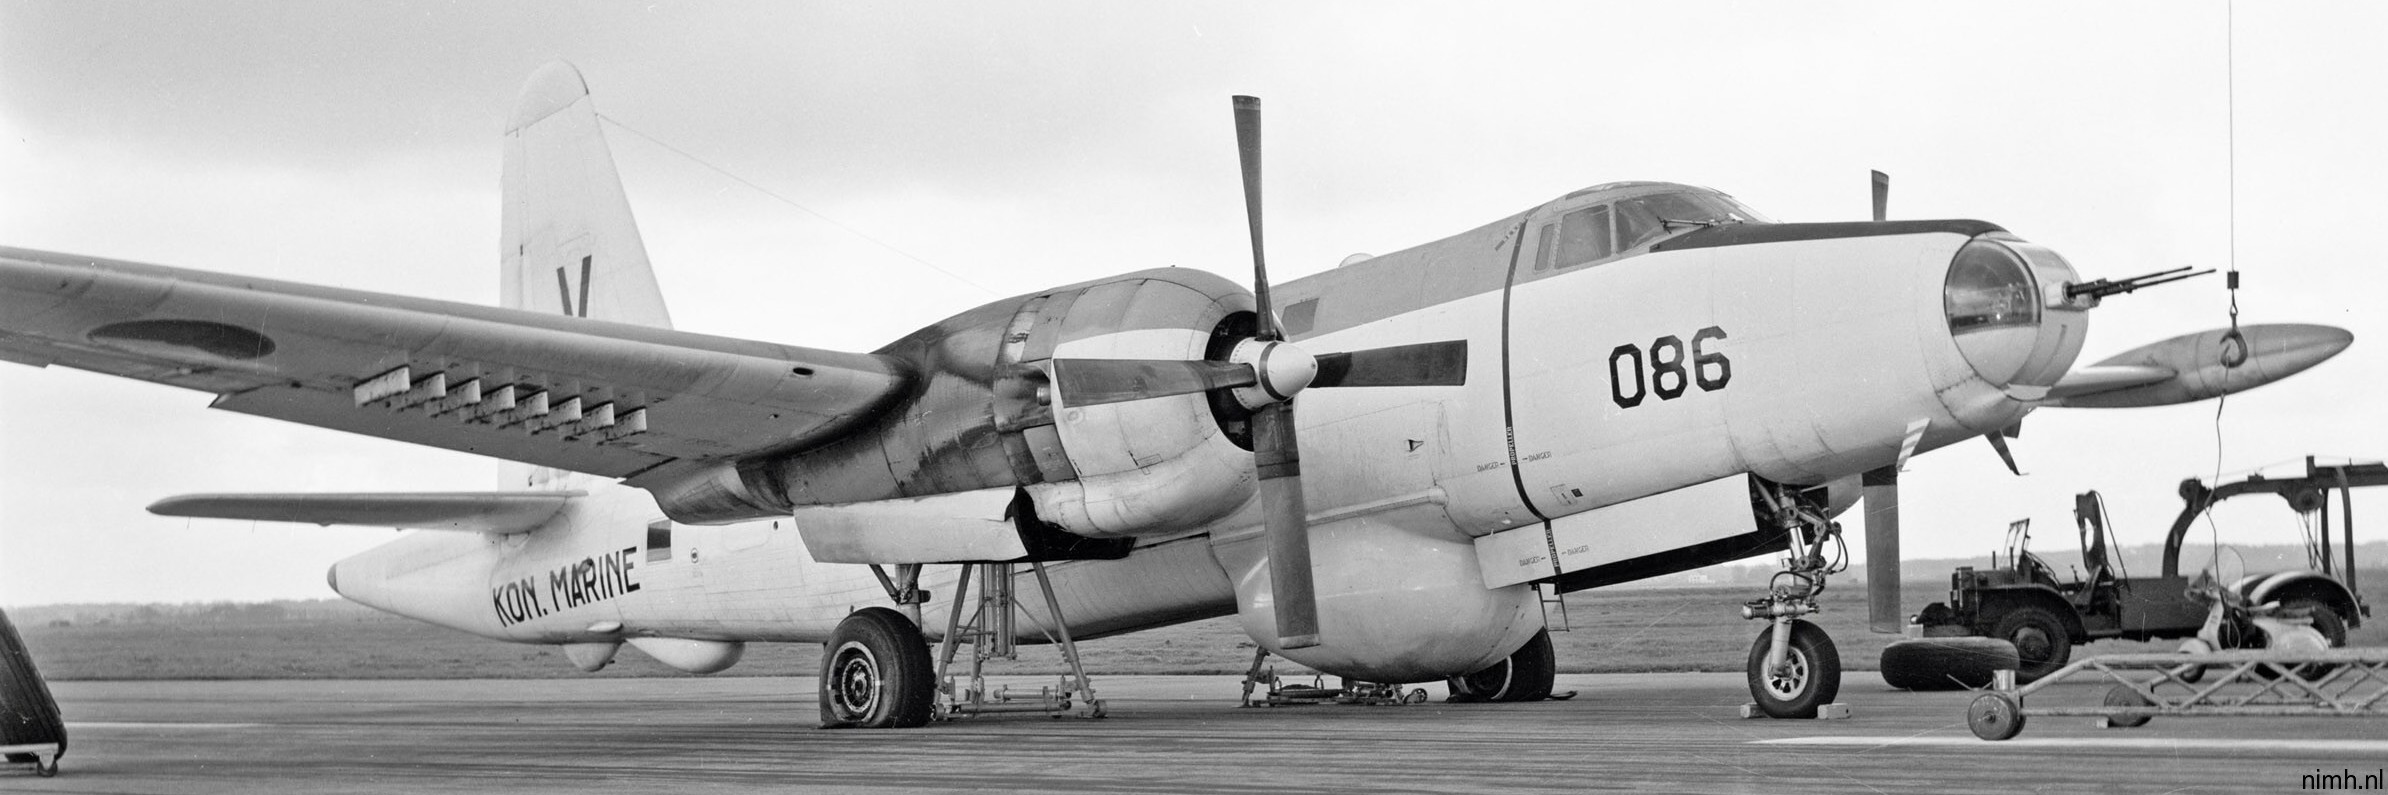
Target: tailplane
x: 570, y: 245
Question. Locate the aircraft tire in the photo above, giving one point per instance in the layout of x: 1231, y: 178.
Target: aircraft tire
x: 1952, y: 663
x: 2041, y: 644
x: 876, y: 673
x: 1813, y: 681
x: 1524, y: 675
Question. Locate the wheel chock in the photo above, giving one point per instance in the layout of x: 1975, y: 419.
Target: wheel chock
x: 1826, y: 712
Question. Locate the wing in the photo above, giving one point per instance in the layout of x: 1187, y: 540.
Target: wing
x: 480, y: 512
x: 585, y: 395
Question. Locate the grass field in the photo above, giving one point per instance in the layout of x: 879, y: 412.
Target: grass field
x: 1610, y: 630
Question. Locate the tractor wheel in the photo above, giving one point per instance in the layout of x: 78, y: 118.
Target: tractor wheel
x: 2041, y: 643
x: 1810, y: 678
x: 1945, y: 663
x: 1524, y: 676
x: 876, y: 674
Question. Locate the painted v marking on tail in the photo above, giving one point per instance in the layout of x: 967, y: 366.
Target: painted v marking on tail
x: 564, y: 287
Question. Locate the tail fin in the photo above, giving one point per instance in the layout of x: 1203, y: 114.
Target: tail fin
x: 570, y: 245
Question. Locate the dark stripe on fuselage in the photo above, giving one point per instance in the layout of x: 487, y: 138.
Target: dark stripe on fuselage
x: 1753, y: 234
x: 1508, y: 403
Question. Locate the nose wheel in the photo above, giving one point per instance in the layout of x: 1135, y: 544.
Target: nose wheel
x: 1807, y: 679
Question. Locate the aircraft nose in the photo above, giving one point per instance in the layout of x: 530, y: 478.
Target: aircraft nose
x: 331, y: 577
x: 1992, y: 310
x: 2005, y: 303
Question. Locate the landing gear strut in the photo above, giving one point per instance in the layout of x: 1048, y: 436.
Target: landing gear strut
x: 1794, y: 670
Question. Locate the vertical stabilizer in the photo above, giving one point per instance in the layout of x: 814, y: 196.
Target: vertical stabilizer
x: 570, y: 245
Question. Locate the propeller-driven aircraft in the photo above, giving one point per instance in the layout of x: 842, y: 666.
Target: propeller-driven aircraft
x: 1376, y: 469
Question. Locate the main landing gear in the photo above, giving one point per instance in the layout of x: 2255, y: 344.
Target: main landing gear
x: 1794, y: 670
x: 877, y: 673
x: 1524, y: 676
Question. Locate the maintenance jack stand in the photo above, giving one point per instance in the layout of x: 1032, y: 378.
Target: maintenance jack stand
x: 1280, y: 694
x: 990, y: 631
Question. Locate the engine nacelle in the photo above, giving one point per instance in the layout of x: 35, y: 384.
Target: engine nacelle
x: 982, y: 414
x: 1154, y: 466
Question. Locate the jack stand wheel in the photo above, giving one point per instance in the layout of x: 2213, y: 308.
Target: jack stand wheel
x: 1995, y: 716
x: 2124, y: 696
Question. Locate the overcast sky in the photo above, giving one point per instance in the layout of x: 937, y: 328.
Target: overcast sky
x: 1023, y: 145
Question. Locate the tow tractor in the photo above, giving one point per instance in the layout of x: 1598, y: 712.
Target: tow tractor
x: 2020, y: 599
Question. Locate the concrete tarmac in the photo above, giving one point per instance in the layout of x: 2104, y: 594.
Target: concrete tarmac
x: 1624, y: 732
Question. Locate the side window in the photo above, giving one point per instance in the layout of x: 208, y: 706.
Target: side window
x: 1584, y: 236
x: 659, y: 541
x: 1542, y: 250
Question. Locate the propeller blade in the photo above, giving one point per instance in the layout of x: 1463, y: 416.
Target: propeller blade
x: 1247, y: 147
x: 1287, y: 520
x: 1094, y: 382
x: 1881, y: 196
x: 1881, y: 494
x: 1424, y: 364
x: 1274, y: 450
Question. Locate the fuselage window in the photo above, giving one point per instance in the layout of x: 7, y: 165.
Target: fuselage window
x: 1584, y: 236
x: 659, y: 541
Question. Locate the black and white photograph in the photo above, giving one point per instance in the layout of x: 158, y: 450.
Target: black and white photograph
x: 1315, y: 397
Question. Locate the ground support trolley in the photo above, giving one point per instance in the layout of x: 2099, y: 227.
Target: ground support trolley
x: 2350, y: 683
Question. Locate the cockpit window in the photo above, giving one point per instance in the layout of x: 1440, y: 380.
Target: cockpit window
x: 1645, y: 218
x: 1584, y: 236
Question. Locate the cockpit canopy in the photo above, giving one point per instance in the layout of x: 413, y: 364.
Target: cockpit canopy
x: 1624, y: 216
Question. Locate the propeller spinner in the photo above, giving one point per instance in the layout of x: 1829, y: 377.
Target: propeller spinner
x: 1263, y: 374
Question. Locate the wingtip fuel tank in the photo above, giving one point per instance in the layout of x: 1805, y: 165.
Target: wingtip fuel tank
x: 2212, y: 363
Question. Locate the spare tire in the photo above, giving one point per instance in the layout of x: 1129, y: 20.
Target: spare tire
x: 1945, y: 663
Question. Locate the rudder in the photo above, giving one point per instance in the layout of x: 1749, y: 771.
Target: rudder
x: 569, y: 244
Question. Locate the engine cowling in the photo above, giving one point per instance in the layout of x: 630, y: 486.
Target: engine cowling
x: 1145, y: 467
x: 982, y: 414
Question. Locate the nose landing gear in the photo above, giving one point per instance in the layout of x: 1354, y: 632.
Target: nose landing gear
x: 1794, y: 669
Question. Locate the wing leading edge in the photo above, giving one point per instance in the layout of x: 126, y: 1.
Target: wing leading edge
x: 586, y: 395
x: 470, y: 511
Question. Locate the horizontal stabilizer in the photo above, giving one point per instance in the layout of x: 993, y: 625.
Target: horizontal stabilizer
x: 502, y: 512
x: 2201, y: 366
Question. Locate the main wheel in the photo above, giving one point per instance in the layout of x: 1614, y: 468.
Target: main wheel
x: 2041, y: 643
x: 1524, y: 676
x: 1810, y: 678
x: 876, y: 674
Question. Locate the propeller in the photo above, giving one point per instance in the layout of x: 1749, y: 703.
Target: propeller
x: 1881, y: 196
x: 1263, y: 374
x: 1880, y: 491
